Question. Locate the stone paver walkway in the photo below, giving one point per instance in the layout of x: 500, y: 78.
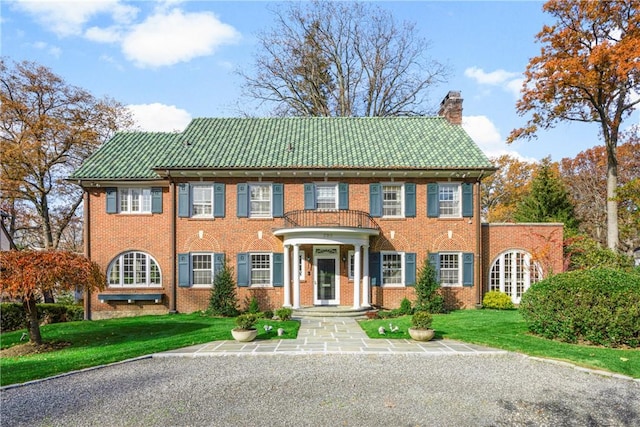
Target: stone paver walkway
x: 339, y: 335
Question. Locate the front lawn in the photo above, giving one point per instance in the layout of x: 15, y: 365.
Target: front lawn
x: 507, y: 330
x: 106, y: 341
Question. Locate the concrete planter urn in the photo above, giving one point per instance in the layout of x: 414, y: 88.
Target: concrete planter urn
x: 421, y: 334
x: 246, y: 330
x: 420, y: 329
x: 244, y: 335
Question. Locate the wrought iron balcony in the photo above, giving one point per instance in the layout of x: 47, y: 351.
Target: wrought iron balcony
x: 329, y: 219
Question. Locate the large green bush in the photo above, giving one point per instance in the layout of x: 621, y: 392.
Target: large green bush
x: 13, y: 316
x: 600, y: 306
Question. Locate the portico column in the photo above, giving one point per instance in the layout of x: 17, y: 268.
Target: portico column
x: 366, y: 298
x: 287, y: 278
x: 356, y: 277
x: 296, y: 276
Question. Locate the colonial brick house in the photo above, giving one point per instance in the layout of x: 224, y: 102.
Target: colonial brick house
x: 308, y: 211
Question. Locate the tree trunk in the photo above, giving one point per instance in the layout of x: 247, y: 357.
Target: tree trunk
x: 33, y: 323
x: 612, y: 186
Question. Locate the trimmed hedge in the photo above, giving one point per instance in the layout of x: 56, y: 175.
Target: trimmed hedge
x: 497, y: 300
x: 600, y: 306
x: 13, y: 316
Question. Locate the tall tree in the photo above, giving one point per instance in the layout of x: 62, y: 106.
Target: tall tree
x: 585, y: 177
x: 502, y: 191
x: 341, y: 59
x: 29, y: 274
x: 47, y: 128
x: 548, y: 200
x: 587, y: 71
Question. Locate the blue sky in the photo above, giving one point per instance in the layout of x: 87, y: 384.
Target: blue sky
x: 173, y: 60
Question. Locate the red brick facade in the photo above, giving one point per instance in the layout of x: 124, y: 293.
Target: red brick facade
x: 164, y: 235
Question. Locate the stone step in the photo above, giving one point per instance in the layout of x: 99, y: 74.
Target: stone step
x: 330, y: 311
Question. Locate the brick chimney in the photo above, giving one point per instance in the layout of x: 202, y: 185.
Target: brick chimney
x: 451, y: 107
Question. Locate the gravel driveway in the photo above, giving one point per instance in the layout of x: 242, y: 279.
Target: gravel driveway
x: 327, y: 390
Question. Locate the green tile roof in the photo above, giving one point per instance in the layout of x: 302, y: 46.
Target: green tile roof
x: 289, y: 143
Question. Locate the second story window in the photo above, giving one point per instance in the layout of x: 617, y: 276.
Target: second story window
x: 449, y: 200
x: 135, y: 200
x: 326, y: 196
x: 391, y: 200
x: 260, y: 200
x: 201, y: 200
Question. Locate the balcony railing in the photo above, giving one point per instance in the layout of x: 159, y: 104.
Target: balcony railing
x: 330, y: 219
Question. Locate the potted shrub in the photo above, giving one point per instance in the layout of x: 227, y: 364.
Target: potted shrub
x: 420, y: 329
x: 246, y: 330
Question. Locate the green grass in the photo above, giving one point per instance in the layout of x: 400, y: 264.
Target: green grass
x: 507, y: 330
x: 106, y: 341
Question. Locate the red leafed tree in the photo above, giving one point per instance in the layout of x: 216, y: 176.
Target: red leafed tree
x: 28, y: 274
x: 587, y: 71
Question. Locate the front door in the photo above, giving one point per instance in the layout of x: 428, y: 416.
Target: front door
x: 326, y: 279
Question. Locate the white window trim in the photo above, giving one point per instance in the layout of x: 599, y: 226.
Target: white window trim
x: 350, y: 261
x: 261, y: 285
x: 460, y: 270
x: 403, y: 269
x: 126, y: 192
x: 270, y: 210
x: 213, y: 266
x: 529, y: 262
x: 121, y: 283
x: 459, y: 190
x: 402, y: 198
x: 301, y: 260
x: 336, y: 194
x: 201, y: 184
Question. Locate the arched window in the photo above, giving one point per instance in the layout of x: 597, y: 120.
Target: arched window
x: 134, y: 269
x: 512, y: 272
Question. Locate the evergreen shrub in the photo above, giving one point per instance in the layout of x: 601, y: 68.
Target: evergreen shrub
x: 599, y: 306
x: 497, y: 300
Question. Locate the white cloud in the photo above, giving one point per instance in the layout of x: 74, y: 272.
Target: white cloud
x: 103, y: 35
x: 67, y: 18
x: 487, y: 136
x: 54, y: 51
x: 159, y: 117
x: 167, y: 39
x: 508, y: 81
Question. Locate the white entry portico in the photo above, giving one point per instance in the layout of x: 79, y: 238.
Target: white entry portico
x: 326, y: 243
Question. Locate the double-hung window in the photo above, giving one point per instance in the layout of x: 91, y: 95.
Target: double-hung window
x: 260, y: 269
x: 449, y: 200
x: 135, y: 200
x: 392, y: 271
x: 351, y: 265
x: 260, y: 200
x: 202, y: 200
x: 450, y: 269
x: 327, y: 196
x: 392, y: 200
x: 134, y: 269
x: 202, y: 269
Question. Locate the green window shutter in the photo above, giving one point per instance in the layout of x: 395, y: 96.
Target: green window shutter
x: 242, y: 208
x: 156, y: 200
x: 374, y: 268
x: 467, y: 200
x: 467, y: 269
x: 218, y: 263
x: 184, y: 270
x: 343, y: 195
x: 278, y: 200
x: 410, y: 268
x: 112, y: 199
x: 409, y: 200
x: 218, y: 200
x: 278, y: 270
x: 242, y: 267
x: 375, y: 200
x: 184, y: 204
x: 433, y: 206
x: 434, y: 260
x: 310, y: 196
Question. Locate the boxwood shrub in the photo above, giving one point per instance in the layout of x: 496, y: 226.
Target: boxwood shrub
x: 599, y: 306
x: 497, y: 300
x: 13, y: 316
